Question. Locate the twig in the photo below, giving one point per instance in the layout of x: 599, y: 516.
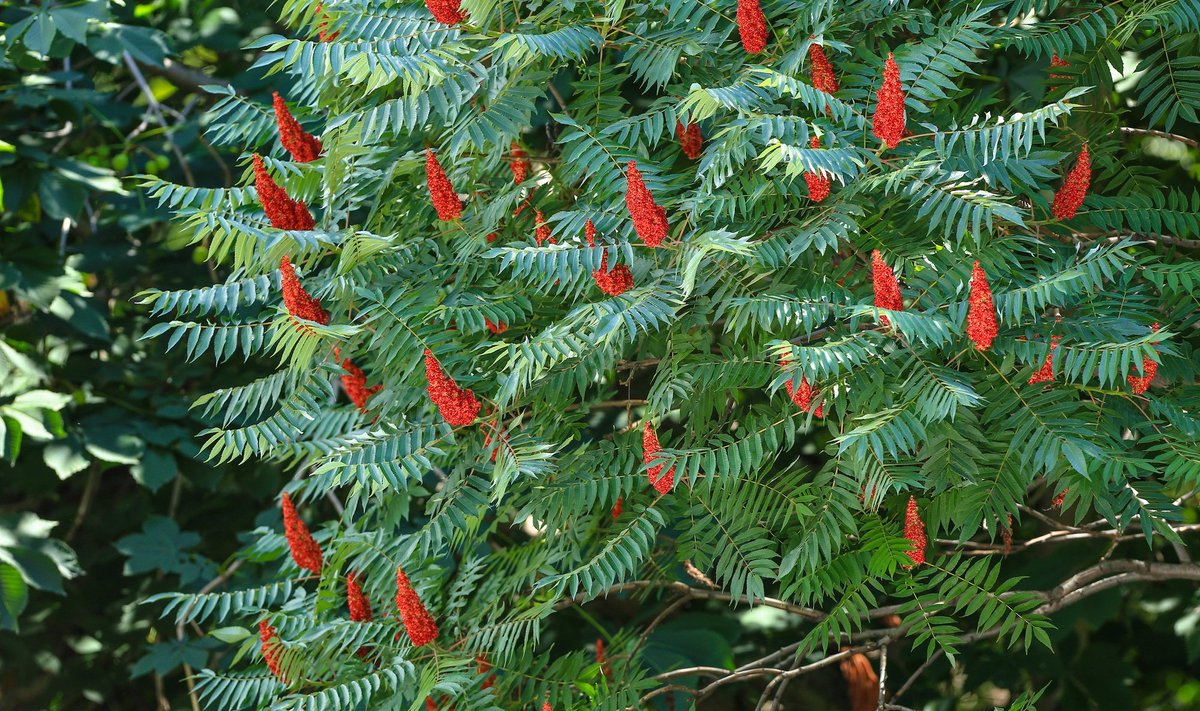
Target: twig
x: 882, y: 674
x: 915, y: 675
x: 155, y: 109
x: 1160, y: 134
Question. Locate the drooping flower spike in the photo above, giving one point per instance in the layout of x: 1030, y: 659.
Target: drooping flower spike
x: 885, y: 285
x: 447, y: 12
x: 354, y: 382
x: 418, y: 623
x: 441, y: 192
x: 297, y: 301
x: 283, y: 212
x: 649, y: 220
x: 690, y: 139
x: 360, y: 607
x: 1070, y: 195
x: 914, y: 531
x: 888, y: 125
x: 458, y: 406
x: 305, y: 549
x: 817, y: 182
x: 752, y: 26
x: 662, y: 483
x: 303, y: 146
x: 981, y: 313
x: 1046, y: 372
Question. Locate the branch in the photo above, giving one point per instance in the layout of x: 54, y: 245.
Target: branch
x: 1129, y: 130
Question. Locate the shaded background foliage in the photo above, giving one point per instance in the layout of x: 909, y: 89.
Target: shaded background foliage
x: 104, y: 501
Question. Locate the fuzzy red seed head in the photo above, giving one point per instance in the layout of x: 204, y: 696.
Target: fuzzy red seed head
x: 1141, y: 383
x: 887, y: 288
x: 283, y: 212
x: 541, y: 229
x: 417, y: 621
x: 271, y: 649
x: 817, y: 182
x: 303, y: 147
x: 914, y: 531
x: 649, y: 220
x: 354, y: 382
x: 803, y: 396
x: 615, y: 281
x: 518, y: 164
x: 441, y: 192
x: 1057, y: 61
x: 981, y: 314
x: 447, y: 12
x: 1070, y: 196
x: 457, y: 406
x: 618, y: 507
x: 690, y: 139
x: 496, y: 328
x: 589, y: 233
x: 650, y: 448
x: 1046, y: 372
x: 889, y: 106
x: 297, y: 301
x: 305, y: 550
x: 360, y: 607
x: 752, y: 26
x: 823, y: 78
x: 492, y: 237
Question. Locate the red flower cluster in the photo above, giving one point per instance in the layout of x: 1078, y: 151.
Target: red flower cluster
x: 1059, y: 498
x: 618, y: 507
x: 429, y: 705
x: 802, y: 396
x: 546, y: 706
x: 441, y: 192
x: 823, y: 78
x: 321, y: 33
x: 417, y: 621
x: 354, y: 382
x: 457, y: 405
x: 299, y: 304
x: 1070, y: 196
x: 446, y: 12
x: 615, y: 281
x: 492, y: 237
x: 483, y: 667
x: 818, y: 183
x: 649, y: 220
x: 360, y: 607
x: 1046, y: 372
x: 305, y: 550
x: 650, y: 449
x: 1140, y: 383
x: 887, y: 288
x: 981, y: 315
x: 304, y: 147
x: 271, y: 649
x: 752, y: 26
x: 914, y: 531
x: 1057, y: 61
x: 496, y: 328
x: 518, y: 164
x: 541, y: 230
x: 690, y: 139
x: 889, y: 107
x: 283, y: 212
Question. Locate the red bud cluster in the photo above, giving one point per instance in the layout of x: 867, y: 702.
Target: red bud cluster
x: 1070, y: 195
x: 914, y: 531
x: 303, y: 147
x: 441, y: 192
x: 283, y: 212
x: 305, y: 550
x: 418, y: 623
x: 752, y: 26
x: 650, y: 449
x: 458, y: 406
x: 981, y: 314
x: 889, y: 106
x: 649, y: 220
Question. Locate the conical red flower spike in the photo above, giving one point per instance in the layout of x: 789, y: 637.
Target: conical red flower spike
x: 823, y: 78
x: 818, y: 183
x: 752, y: 26
x: 650, y: 448
x: 297, y: 301
x: 360, y: 607
x: 541, y: 230
x: 649, y: 220
x: 613, y: 282
x: 589, y: 233
x: 303, y: 146
x: 283, y: 212
x: 803, y: 395
x: 305, y: 549
x: 1140, y: 383
x: 1057, y: 61
x: 690, y: 139
x: 271, y: 649
x: 441, y: 192
x: 1046, y: 372
x: 354, y: 382
x: 518, y: 164
x: 447, y: 12
x: 618, y: 507
x: 914, y: 531
x: 417, y: 621
x: 981, y: 314
x: 1070, y: 196
x: 458, y: 406
x: 887, y: 288
x: 889, y: 106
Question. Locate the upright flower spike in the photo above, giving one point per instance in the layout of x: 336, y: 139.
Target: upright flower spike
x: 518, y: 164
x: 649, y: 220
x: 271, y: 649
x: 297, y: 301
x: 887, y: 288
x: 752, y: 26
x: 615, y: 281
x: 1140, y: 383
x: 650, y: 448
x: 283, y: 212
x: 690, y: 139
x: 441, y: 192
x: 817, y: 182
x: 303, y: 147
x: 305, y: 550
x: 981, y: 314
x: 914, y: 531
x: 354, y: 382
x: 1070, y: 195
x: 457, y: 406
x: 541, y: 230
x: 618, y: 507
x: 1046, y: 372
x: 823, y: 78
x: 417, y: 621
x: 447, y: 12
x: 360, y: 607
x: 889, y: 106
